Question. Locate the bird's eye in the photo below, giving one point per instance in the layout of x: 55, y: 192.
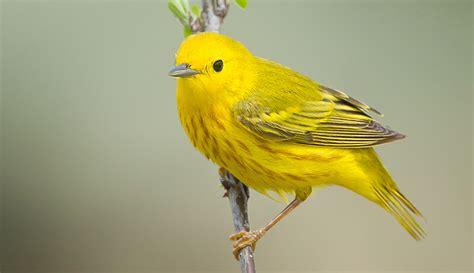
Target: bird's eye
x: 218, y: 65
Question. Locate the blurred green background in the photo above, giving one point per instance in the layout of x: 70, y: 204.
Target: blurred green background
x: 98, y: 176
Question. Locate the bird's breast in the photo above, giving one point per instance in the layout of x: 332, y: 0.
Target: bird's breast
x: 206, y: 128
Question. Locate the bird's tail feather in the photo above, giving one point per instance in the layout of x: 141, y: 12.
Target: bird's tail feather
x: 392, y: 200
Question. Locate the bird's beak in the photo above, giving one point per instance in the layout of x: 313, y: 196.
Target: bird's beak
x: 182, y: 71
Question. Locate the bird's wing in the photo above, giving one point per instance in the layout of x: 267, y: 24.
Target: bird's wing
x: 333, y: 119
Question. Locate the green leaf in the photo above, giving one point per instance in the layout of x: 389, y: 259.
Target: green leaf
x: 185, y: 6
x: 241, y: 3
x: 187, y: 31
x: 196, y: 10
x: 177, y: 5
x: 177, y: 11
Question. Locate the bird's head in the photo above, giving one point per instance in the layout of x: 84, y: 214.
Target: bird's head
x: 213, y: 64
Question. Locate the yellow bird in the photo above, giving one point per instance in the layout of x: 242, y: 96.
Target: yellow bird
x: 279, y: 131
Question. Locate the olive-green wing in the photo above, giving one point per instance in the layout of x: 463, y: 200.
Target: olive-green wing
x: 334, y: 120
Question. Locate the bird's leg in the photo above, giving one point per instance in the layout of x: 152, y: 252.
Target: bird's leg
x: 249, y: 238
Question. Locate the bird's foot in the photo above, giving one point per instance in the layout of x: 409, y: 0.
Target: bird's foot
x: 244, y: 239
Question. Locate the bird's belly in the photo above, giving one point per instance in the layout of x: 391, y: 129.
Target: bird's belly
x: 280, y: 168
x: 267, y: 165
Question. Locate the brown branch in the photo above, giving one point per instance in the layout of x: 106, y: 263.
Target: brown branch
x: 213, y: 13
x: 238, y: 195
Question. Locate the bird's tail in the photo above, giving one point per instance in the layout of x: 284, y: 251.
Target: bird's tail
x: 380, y: 188
x: 392, y: 200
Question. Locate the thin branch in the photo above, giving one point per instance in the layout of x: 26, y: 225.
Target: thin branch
x: 195, y: 24
x: 238, y: 195
x: 212, y: 16
x: 213, y: 13
x: 221, y: 7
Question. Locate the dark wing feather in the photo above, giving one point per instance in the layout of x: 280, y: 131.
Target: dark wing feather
x: 335, y: 120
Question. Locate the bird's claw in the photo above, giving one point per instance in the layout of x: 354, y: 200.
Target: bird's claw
x: 244, y: 239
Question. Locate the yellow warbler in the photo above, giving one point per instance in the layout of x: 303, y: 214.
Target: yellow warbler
x: 278, y: 131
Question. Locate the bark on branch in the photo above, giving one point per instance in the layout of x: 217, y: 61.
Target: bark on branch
x: 238, y: 195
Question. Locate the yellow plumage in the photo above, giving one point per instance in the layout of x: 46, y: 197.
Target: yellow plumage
x: 277, y: 130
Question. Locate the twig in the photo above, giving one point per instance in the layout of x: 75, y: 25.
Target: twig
x: 238, y: 195
x: 213, y: 14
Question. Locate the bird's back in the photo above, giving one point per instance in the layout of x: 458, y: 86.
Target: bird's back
x: 278, y: 87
